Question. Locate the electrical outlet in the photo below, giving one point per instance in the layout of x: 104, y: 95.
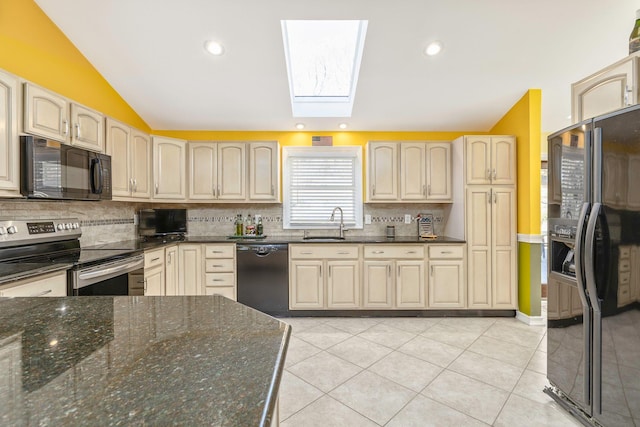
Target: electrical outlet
x: 135, y: 219
x: 367, y: 219
x: 407, y: 219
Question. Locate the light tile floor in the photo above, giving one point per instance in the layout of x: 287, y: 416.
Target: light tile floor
x: 416, y: 372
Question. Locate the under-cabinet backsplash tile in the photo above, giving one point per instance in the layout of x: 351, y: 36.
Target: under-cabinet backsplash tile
x: 110, y: 221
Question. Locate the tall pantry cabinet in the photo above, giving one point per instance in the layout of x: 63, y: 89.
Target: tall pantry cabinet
x: 485, y: 208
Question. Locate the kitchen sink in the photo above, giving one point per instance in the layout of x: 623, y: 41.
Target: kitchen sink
x: 323, y: 238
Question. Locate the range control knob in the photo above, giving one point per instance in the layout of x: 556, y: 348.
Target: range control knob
x: 12, y: 229
x: 75, y: 225
x: 67, y: 226
x: 3, y: 231
x: 60, y: 227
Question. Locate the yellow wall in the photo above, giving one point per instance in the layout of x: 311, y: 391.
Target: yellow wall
x: 523, y: 121
x: 32, y: 47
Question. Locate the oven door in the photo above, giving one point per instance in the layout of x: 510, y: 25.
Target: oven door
x: 108, y: 278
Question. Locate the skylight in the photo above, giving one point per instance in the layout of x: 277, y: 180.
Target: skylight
x: 323, y: 62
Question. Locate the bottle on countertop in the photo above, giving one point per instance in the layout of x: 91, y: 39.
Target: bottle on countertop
x: 259, y: 227
x: 250, y: 228
x: 239, y: 225
x: 634, y: 38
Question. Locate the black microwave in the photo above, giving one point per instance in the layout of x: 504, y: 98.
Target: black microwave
x: 162, y: 222
x: 52, y: 170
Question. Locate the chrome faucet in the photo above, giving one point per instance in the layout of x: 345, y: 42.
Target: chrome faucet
x: 342, y: 229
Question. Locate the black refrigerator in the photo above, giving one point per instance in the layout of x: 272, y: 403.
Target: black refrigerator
x: 593, y: 327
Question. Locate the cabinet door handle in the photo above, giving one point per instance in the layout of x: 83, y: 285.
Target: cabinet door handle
x: 130, y: 184
x: 495, y: 197
x: 329, y: 269
x: 489, y: 196
x: 628, y: 92
x: 218, y: 280
x: 218, y: 193
x: 217, y: 265
x: 494, y: 173
x: 446, y: 252
x: 43, y: 293
x: 377, y: 252
x: 155, y: 259
x: 216, y: 252
x: 488, y: 174
x: 424, y: 190
x: 273, y: 190
x: 66, y: 127
x: 135, y: 185
x: 343, y: 253
x: 429, y: 189
x: 320, y: 271
x: 78, y: 130
x: 156, y: 188
x: 306, y: 253
x: 411, y: 252
x: 374, y: 189
x: 431, y: 268
x: 389, y: 270
x: 169, y: 259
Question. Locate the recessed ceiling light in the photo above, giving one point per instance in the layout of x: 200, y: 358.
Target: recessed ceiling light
x: 433, y: 48
x: 342, y: 125
x: 299, y: 125
x: 214, y: 47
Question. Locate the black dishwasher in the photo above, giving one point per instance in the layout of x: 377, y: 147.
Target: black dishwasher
x: 263, y: 277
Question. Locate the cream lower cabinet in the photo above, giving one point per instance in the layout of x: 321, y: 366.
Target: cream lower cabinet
x: 190, y: 275
x: 45, y: 285
x: 394, y: 277
x: 154, y: 272
x: 171, y: 270
x: 446, y: 276
x: 324, y: 277
x: 220, y: 270
x: 491, y: 247
x: 9, y: 139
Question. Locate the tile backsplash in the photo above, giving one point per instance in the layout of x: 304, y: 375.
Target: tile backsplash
x: 104, y: 222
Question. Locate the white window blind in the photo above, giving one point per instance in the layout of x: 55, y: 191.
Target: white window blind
x: 318, y: 179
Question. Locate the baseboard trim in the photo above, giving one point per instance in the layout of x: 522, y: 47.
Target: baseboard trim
x: 531, y: 320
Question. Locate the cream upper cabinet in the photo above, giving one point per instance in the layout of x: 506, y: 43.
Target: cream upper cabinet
x: 87, y: 128
x: 492, y: 245
x: 491, y: 160
x: 382, y: 171
x: 9, y: 140
x: 413, y: 168
x: 264, y: 158
x: 202, y: 170
x: 439, y: 172
x: 46, y: 113
x: 232, y: 171
x: 140, y: 164
x: 130, y: 152
x: 118, y: 147
x: 169, y: 160
x: 607, y: 90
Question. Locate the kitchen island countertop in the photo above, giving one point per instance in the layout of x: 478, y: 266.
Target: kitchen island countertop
x: 139, y: 361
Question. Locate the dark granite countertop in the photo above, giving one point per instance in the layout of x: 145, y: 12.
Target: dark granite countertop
x: 111, y: 361
x: 158, y: 243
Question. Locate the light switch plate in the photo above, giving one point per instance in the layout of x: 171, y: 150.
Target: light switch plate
x: 407, y: 219
x: 135, y: 219
x: 367, y: 219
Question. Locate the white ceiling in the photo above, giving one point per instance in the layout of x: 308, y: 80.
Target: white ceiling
x: 151, y: 52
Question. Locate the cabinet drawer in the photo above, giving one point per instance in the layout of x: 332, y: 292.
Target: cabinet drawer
x: 624, y: 278
x: 219, y: 279
x: 445, y: 252
x: 219, y: 251
x: 153, y: 258
x: 225, y: 291
x: 50, y: 285
x: 394, y: 251
x: 217, y: 265
x: 323, y: 251
x: 624, y: 265
x: 625, y: 251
